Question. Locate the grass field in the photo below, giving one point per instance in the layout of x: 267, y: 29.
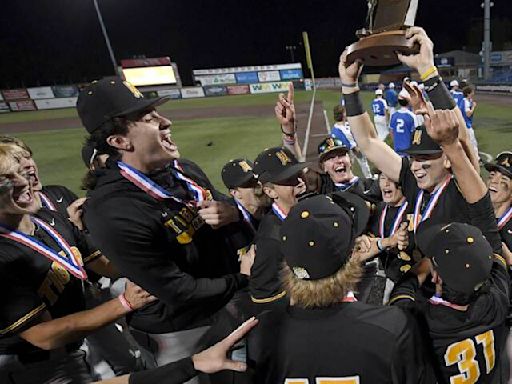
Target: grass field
x: 57, y: 152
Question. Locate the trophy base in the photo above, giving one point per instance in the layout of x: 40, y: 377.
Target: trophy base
x: 378, y: 50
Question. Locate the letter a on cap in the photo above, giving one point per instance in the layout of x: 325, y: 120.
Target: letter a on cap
x: 417, y: 137
x: 133, y: 90
x: 283, y: 157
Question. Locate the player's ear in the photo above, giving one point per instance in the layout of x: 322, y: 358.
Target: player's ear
x: 268, y: 189
x: 120, y: 142
x: 235, y: 193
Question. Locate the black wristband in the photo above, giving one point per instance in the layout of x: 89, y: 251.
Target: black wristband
x: 353, y: 104
x: 438, y: 94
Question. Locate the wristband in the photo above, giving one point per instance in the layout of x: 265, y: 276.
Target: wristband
x: 289, y: 141
x: 424, y: 76
x: 439, y: 94
x: 379, y: 245
x: 292, y: 134
x: 353, y: 104
x: 126, y: 305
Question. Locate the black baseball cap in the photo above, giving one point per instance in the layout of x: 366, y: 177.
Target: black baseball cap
x: 422, y: 143
x: 330, y: 144
x: 276, y: 164
x: 111, y: 97
x: 459, y: 252
x: 357, y: 208
x: 88, y: 153
x: 502, y: 164
x: 317, y: 238
x: 238, y: 173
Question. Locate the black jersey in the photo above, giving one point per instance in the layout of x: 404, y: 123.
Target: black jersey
x: 57, y: 198
x: 368, y: 189
x: 345, y: 343
x: 32, y: 283
x: 505, y: 232
x: 394, y: 262
x: 264, y: 282
x: 165, y: 247
x: 466, y: 344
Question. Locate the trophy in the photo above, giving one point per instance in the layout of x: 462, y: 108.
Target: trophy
x: 384, y: 33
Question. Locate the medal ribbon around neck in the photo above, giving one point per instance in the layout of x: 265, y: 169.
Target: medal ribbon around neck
x: 350, y: 297
x: 70, y: 263
x: 436, y: 300
x: 396, y: 221
x: 434, y: 198
x: 245, y: 214
x: 147, y: 185
x: 200, y: 194
x: 47, y: 203
x: 345, y: 186
x: 278, y: 212
x: 503, y: 220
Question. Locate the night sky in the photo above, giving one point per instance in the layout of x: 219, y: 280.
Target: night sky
x: 46, y: 42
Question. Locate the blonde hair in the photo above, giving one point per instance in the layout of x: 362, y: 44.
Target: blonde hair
x: 322, y: 292
x: 10, y: 156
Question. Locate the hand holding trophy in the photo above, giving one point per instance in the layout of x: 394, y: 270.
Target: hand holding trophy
x: 384, y: 34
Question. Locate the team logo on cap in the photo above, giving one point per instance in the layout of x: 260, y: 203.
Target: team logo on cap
x: 506, y: 162
x: 417, y: 137
x: 133, y: 90
x: 300, y: 273
x: 283, y: 157
x: 330, y: 142
x: 245, y: 167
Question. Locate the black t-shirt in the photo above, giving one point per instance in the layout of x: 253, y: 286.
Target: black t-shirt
x: 165, y: 247
x: 60, y: 198
x: 32, y: 283
x: 368, y: 189
x: 355, y: 342
x: 467, y: 343
x: 264, y: 282
x: 394, y: 262
x: 506, y: 234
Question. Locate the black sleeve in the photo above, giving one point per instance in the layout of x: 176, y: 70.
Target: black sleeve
x: 410, y: 364
x: 177, y: 372
x: 404, y: 292
x: 482, y: 216
x: 137, y: 245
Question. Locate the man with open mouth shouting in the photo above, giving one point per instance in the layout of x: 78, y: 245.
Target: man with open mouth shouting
x: 159, y: 219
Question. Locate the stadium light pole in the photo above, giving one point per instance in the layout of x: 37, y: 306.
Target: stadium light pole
x: 486, y: 5
x: 105, y: 36
x: 292, y: 49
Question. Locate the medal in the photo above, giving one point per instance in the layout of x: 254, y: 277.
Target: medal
x: 200, y: 194
x: 69, y: 262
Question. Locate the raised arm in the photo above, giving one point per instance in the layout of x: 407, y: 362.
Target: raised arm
x: 285, y: 115
x: 378, y: 152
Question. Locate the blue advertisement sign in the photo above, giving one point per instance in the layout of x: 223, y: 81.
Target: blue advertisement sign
x: 247, y: 77
x: 288, y: 74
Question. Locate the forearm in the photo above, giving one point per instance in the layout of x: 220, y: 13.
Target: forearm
x: 56, y: 333
x: 103, y: 267
x: 470, y: 183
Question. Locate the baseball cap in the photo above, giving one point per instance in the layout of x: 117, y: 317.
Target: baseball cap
x: 454, y: 83
x: 110, y: 97
x: 422, y: 143
x: 330, y: 144
x: 88, y: 153
x: 357, y: 208
x: 378, y: 91
x: 276, y: 164
x: 238, y: 173
x: 459, y: 252
x: 391, y: 85
x: 317, y: 238
x: 502, y: 164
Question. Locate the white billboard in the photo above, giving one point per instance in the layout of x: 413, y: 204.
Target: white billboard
x: 192, y: 92
x: 63, y: 102
x: 265, y: 76
x: 280, y: 86
x: 40, y: 93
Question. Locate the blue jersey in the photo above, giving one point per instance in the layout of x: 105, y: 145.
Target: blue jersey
x: 458, y: 96
x: 379, y: 107
x: 466, y: 106
x: 402, y: 125
x: 391, y: 97
x: 342, y: 131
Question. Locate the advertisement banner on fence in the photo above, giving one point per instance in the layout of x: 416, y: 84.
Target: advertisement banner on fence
x: 40, y: 93
x: 274, y: 67
x: 268, y: 76
x: 15, y: 94
x: 172, y: 93
x: 228, y: 78
x: 495, y: 88
x: 22, y: 105
x: 191, y: 92
x: 238, y: 89
x: 62, y: 102
x: 289, y: 74
x: 215, y: 90
x: 4, y: 107
x: 281, y: 86
x: 247, y: 77
x: 65, y: 91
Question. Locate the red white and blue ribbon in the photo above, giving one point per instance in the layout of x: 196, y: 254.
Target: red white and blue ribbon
x: 278, y: 211
x: 145, y: 183
x: 245, y: 214
x: 69, y: 262
x: 199, y: 193
x: 350, y: 297
x: 436, y: 300
x: 396, y: 221
x: 503, y: 220
x: 345, y: 186
x: 47, y: 203
x: 434, y: 198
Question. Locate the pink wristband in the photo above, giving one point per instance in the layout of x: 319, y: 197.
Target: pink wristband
x: 126, y: 305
